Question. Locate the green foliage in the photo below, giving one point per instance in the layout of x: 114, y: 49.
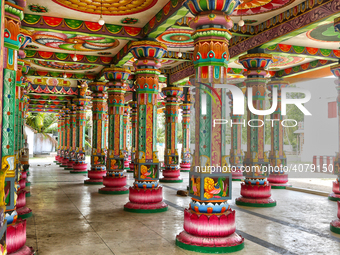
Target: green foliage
x: 43, y: 122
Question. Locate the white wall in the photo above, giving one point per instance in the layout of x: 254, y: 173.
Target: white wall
x: 30, y: 140
x: 321, y: 133
x: 42, y: 144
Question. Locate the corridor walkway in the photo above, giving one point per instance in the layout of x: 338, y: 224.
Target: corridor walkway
x: 72, y: 218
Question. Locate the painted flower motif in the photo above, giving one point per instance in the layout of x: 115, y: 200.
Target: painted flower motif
x: 144, y: 172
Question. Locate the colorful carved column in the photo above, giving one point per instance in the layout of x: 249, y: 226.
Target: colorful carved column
x: 209, y: 222
x: 236, y: 153
x: 115, y: 180
x: 133, y: 105
x: 255, y: 191
x: 335, y: 224
x: 58, y: 157
x: 16, y: 228
x: 171, y: 171
x: 67, y: 134
x: 63, y: 138
x: 335, y: 195
x: 185, y: 154
x: 79, y: 165
x: 72, y: 119
x: 98, y: 157
x: 146, y: 195
x: 125, y: 137
x: 277, y: 178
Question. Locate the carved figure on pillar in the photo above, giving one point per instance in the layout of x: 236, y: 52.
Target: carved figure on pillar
x: 209, y: 222
x: 186, y: 106
x: 255, y: 191
x: 115, y: 179
x: 98, y: 156
x: 146, y: 195
x: 171, y: 170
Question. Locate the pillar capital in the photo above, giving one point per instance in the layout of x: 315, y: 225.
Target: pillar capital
x: 256, y: 64
x: 277, y: 83
x: 97, y: 87
x: 337, y: 24
x: 143, y: 50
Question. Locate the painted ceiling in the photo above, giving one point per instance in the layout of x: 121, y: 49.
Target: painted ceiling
x: 64, y: 29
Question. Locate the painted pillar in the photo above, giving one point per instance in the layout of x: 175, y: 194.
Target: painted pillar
x: 236, y: 153
x: 278, y: 178
x: 185, y: 155
x: 335, y: 195
x: 58, y: 157
x: 79, y: 165
x: 63, y: 138
x: 71, y: 129
x: 16, y: 228
x: 209, y: 222
x: 133, y: 105
x: 98, y: 157
x: 255, y: 190
x: 335, y: 224
x: 146, y: 195
x: 171, y: 170
x: 115, y: 180
x: 125, y: 136
x: 67, y: 144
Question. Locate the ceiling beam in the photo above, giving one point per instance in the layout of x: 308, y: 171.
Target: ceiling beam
x: 79, y: 27
x: 292, y: 22
x: 305, y: 52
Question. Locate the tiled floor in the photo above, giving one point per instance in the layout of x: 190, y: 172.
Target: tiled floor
x: 72, y: 218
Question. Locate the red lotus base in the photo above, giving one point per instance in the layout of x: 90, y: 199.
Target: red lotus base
x: 79, y: 168
x: 237, y: 175
x: 335, y: 196
x: 210, y: 233
x: 16, y: 239
x: 70, y: 163
x: 95, y: 177
x: 171, y: 176
x: 335, y: 224
x: 131, y: 167
x: 255, y: 196
x: 277, y: 181
x: 64, y: 161
x: 146, y: 200
x: 185, y: 167
x: 22, y: 183
x: 114, y: 185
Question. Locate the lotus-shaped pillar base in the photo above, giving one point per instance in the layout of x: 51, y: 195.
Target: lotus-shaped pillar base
x: 210, y: 233
x: 79, y: 168
x: 185, y: 167
x: 146, y: 200
x: 278, y: 181
x: 335, y: 195
x: 255, y: 196
x: 114, y: 185
x: 171, y: 175
x: 16, y: 239
x: 335, y: 224
x: 131, y: 167
x: 237, y: 175
x: 95, y: 177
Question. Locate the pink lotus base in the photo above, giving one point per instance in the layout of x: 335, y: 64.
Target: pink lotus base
x: 70, y: 163
x: 95, y: 176
x: 132, y: 167
x: 228, y: 241
x: 278, y: 180
x: 24, y: 251
x: 209, y: 226
x: 79, y: 167
x: 237, y: 175
x: 256, y: 195
x: 171, y: 175
x: 335, y: 224
x: 21, y: 199
x: 16, y: 236
x: 335, y: 188
x: 22, y: 183
x: 64, y: 161
x: 185, y: 166
x: 114, y: 185
x: 57, y: 158
x: 23, y: 175
x: 23, y: 210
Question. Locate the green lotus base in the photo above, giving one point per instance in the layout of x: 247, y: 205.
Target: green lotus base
x: 27, y: 184
x: 68, y: 168
x: 28, y: 194
x: 170, y: 181
x: 333, y: 198
x: 63, y: 165
x: 80, y: 172
x: 237, y: 180
x: 55, y: 162
x: 93, y: 183
x: 58, y: 163
x: 185, y: 171
x: 255, y: 205
x: 25, y: 216
x: 334, y: 229
x: 146, y: 211
x: 204, y: 249
x: 113, y: 192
